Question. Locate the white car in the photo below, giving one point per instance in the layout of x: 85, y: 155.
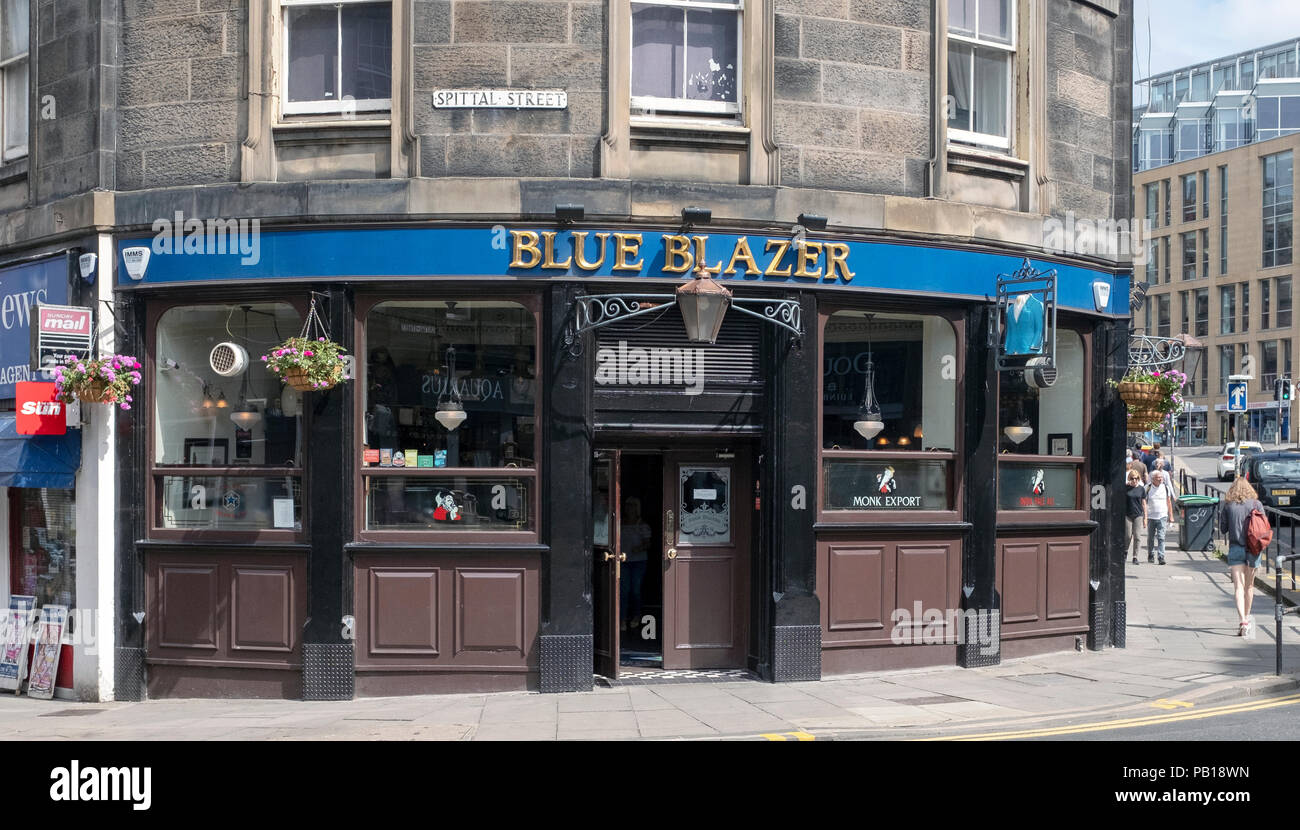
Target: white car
x: 1228, y: 458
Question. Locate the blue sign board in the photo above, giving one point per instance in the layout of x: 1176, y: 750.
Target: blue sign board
x: 228, y: 252
x: 21, y: 287
x: 1237, y: 396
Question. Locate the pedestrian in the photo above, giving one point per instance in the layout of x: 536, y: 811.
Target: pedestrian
x: 1160, y: 507
x: 1135, y: 494
x: 1135, y: 464
x: 1152, y: 456
x: 1238, y: 504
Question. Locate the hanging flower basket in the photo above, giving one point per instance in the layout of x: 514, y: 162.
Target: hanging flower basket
x: 106, y: 380
x: 1151, y: 396
x: 310, y: 362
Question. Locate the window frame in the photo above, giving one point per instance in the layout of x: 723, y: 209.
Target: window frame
x: 154, y: 530
x: 5, y: 67
x: 365, y: 303
x: 956, y: 470
x: 640, y: 106
x: 1010, y: 50
x: 1273, y: 218
x: 371, y: 107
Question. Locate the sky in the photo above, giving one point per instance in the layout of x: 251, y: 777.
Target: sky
x: 1184, y: 32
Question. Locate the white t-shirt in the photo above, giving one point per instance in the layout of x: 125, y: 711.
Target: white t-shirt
x: 1158, y: 500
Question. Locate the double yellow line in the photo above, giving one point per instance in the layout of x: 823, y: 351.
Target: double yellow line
x: 1129, y: 723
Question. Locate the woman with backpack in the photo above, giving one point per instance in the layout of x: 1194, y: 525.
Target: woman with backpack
x: 1233, y: 521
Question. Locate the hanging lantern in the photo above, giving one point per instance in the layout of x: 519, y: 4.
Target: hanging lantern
x: 1019, y: 432
x: 703, y: 302
x: 869, y: 423
x: 451, y: 411
x: 245, y: 415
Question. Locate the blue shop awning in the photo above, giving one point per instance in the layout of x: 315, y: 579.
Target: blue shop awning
x: 37, y: 460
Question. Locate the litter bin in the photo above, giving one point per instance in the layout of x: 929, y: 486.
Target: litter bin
x: 1196, y: 532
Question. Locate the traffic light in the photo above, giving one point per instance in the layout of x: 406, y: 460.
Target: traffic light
x: 1278, y: 386
x: 1287, y: 391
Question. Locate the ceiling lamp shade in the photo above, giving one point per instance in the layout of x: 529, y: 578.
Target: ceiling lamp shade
x: 703, y: 302
x: 1019, y: 432
x: 450, y: 414
x: 246, y: 416
x: 868, y: 426
x: 869, y: 423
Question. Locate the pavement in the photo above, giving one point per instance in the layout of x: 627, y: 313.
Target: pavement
x: 1182, y: 649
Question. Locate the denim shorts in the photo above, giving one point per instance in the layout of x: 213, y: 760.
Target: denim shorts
x: 1237, y: 556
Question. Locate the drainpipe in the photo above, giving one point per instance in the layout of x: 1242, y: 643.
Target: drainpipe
x: 938, y: 160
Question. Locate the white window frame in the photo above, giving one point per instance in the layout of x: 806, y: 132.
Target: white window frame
x: 325, y: 106
x: 976, y: 42
x: 646, y: 104
x: 5, y: 65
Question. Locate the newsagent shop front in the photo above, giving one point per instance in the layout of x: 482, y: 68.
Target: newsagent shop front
x: 556, y: 455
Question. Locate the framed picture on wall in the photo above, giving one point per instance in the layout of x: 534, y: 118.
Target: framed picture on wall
x: 207, y: 452
x: 1060, y: 443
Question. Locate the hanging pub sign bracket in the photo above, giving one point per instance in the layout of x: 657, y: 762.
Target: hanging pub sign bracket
x: 1144, y: 350
x: 596, y: 310
x: 1026, y: 319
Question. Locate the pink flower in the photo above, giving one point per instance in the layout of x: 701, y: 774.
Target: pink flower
x: 320, y: 339
x: 126, y: 406
x: 263, y: 358
x: 307, y: 354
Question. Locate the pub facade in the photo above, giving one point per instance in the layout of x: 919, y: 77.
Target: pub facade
x: 681, y: 336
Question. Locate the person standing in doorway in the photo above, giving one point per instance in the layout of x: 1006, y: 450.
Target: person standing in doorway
x: 1159, y: 508
x: 634, y: 536
x: 1238, y: 505
x: 1136, y: 509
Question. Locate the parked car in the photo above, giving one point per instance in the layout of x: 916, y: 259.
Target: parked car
x: 1228, y: 458
x: 1275, y: 475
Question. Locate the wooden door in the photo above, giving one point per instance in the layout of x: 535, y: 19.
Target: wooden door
x: 708, y: 507
x: 604, y: 562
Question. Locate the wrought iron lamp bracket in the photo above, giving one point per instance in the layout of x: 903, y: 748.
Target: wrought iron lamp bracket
x: 593, y: 311
x: 1145, y: 350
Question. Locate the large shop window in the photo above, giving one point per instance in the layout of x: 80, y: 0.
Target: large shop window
x: 227, y: 448
x: 418, y: 474
x: 906, y: 364
x: 1040, y: 433
x: 686, y: 56
x: 43, y: 545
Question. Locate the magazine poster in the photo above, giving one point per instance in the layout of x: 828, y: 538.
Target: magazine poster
x: 15, y: 634
x: 45, y: 658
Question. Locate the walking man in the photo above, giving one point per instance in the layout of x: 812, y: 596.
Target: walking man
x: 1160, y: 508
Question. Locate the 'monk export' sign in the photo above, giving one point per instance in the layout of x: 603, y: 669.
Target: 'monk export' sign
x: 59, y: 331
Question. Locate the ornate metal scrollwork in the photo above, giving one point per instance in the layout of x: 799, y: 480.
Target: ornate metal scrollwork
x: 788, y: 314
x: 598, y: 310
x: 1144, y: 350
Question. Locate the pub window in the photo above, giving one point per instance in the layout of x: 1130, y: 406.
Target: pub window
x: 686, y: 56
x: 1040, y: 430
x: 981, y: 71
x: 14, y: 34
x: 905, y: 366
x: 338, y: 57
x: 424, y: 357
x: 227, y: 448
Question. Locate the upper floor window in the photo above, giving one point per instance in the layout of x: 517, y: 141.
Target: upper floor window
x: 1278, y: 189
x: 338, y: 57
x: 1276, y: 115
x: 686, y: 56
x: 981, y: 53
x: 1153, y: 203
x: 1189, y: 197
x: 14, y: 31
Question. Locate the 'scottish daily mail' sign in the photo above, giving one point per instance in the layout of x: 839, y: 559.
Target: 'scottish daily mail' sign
x: 524, y: 99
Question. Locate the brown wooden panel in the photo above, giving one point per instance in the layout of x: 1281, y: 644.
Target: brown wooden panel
x: 403, y: 605
x: 922, y: 579
x: 1020, y: 578
x: 1067, y: 569
x: 187, y: 605
x: 701, y: 619
x: 262, y: 608
x: 489, y: 610
x: 855, y: 591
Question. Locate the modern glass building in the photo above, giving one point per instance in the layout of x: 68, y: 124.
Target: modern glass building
x: 1217, y: 105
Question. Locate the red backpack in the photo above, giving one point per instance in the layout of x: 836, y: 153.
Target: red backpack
x: 1258, y: 532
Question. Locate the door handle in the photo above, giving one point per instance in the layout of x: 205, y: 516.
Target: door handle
x: 622, y: 557
x: 672, y: 553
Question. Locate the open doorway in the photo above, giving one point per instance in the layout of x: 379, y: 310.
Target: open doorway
x: 671, y: 549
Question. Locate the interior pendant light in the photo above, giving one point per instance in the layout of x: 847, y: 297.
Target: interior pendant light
x: 1018, y: 432
x: 451, y: 411
x: 869, y: 423
x: 245, y: 415
x: 222, y: 403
